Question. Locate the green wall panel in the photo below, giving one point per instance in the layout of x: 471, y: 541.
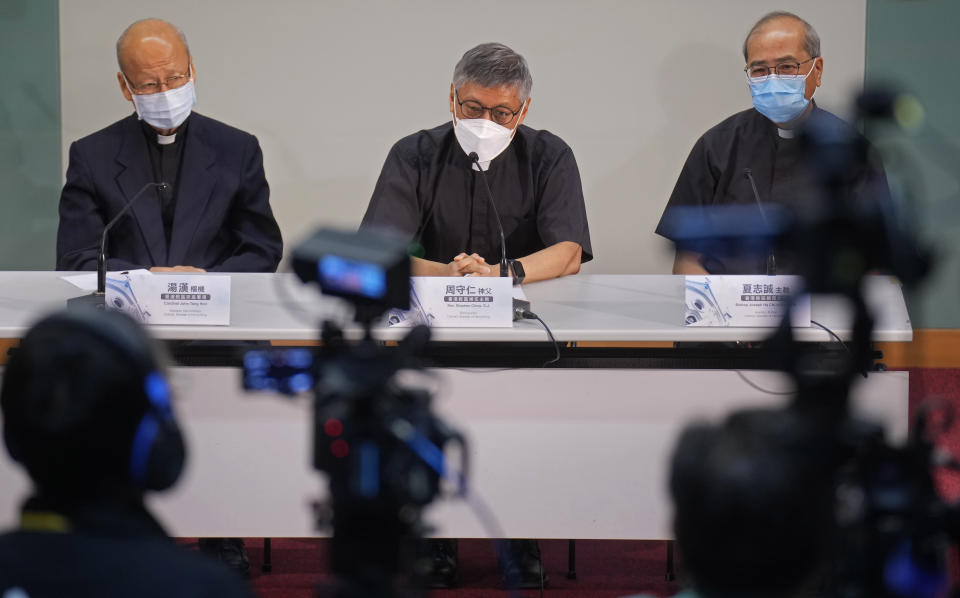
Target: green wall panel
x: 30, y: 166
x: 915, y: 46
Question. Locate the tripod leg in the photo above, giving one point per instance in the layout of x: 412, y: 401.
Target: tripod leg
x: 671, y: 573
x: 571, y: 559
x: 267, y: 556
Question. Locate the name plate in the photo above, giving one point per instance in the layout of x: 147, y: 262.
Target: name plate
x: 757, y: 300
x: 463, y: 302
x: 175, y: 298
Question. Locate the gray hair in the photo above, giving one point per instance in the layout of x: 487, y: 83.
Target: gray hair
x: 494, y: 65
x: 811, y: 40
x: 123, y: 36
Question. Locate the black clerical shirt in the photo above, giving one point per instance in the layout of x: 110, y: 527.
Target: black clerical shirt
x: 713, y: 175
x: 165, y: 162
x: 429, y: 191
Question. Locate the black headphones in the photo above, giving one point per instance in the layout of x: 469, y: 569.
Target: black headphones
x: 157, y: 453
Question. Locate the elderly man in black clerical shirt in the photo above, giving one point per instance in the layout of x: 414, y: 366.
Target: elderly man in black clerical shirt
x: 431, y: 190
x: 759, y: 147
x: 87, y: 412
x: 213, y: 214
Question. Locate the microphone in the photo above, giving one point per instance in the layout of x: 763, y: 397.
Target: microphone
x: 519, y: 305
x: 771, y: 260
x: 102, y: 257
x: 96, y: 299
x: 504, y: 265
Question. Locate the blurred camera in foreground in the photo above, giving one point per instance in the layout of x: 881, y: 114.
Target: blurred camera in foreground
x: 370, y: 270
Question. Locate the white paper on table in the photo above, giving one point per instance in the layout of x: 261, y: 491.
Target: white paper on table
x: 84, y: 282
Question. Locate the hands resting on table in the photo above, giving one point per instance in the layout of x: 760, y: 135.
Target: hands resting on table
x: 176, y: 269
x: 560, y: 259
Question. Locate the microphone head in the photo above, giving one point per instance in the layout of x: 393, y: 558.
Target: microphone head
x: 162, y: 186
x: 747, y: 172
x: 473, y: 157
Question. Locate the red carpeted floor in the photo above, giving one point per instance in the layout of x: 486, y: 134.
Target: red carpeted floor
x: 605, y: 568
x: 940, y: 386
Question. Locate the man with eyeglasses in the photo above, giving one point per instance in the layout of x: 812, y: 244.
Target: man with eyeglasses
x: 431, y: 190
x: 755, y: 156
x: 214, y: 213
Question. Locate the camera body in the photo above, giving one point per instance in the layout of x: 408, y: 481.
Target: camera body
x: 370, y: 270
x: 377, y: 441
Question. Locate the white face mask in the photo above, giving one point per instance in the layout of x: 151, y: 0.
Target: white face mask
x: 485, y: 137
x: 166, y: 109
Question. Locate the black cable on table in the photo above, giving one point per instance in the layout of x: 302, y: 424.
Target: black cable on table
x: 529, y: 315
x: 832, y: 333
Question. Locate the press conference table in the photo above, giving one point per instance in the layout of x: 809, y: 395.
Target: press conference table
x: 570, y: 452
x: 605, y: 308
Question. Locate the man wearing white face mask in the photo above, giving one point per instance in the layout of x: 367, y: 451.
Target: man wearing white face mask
x: 213, y: 214
x: 431, y: 190
x: 755, y: 156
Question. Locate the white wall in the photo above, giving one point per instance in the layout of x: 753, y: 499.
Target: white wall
x: 329, y: 86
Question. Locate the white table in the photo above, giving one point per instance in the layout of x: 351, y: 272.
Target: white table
x: 558, y: 453
x: 594, y: 307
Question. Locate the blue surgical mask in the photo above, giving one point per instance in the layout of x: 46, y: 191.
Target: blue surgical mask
x: 780, y: 98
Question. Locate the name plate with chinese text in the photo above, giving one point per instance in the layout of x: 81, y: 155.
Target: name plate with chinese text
x: 175, y: 298
x: 754, y: 300
x: 468, y: 302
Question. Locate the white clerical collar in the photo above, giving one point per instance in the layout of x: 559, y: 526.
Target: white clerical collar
x: 166, y: 139
x: 789, y: 130
x: 484, y: 165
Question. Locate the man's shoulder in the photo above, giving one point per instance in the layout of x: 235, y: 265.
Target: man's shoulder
x: 210, y: 127
x: 751, y: 121
x: 195, y: 569
x: 828, y: 120
x: 126, y: 563
x: 743, y: 121
x: 542, y: 139
x: 204, y: 126
x: 108, y: 135
x: 425, y: 141
x: 544, y: 148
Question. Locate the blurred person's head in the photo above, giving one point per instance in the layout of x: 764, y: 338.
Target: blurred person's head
x: 86, y: 407
x: 751, y: 499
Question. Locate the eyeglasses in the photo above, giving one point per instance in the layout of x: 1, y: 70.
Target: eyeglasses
x: 499, y: 114
x: 154, y: 86
x: 784, y: 69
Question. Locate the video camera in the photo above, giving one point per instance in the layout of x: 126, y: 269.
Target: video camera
x: 370, y: 270
x: 380, y: 445
x: 890, y: 528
